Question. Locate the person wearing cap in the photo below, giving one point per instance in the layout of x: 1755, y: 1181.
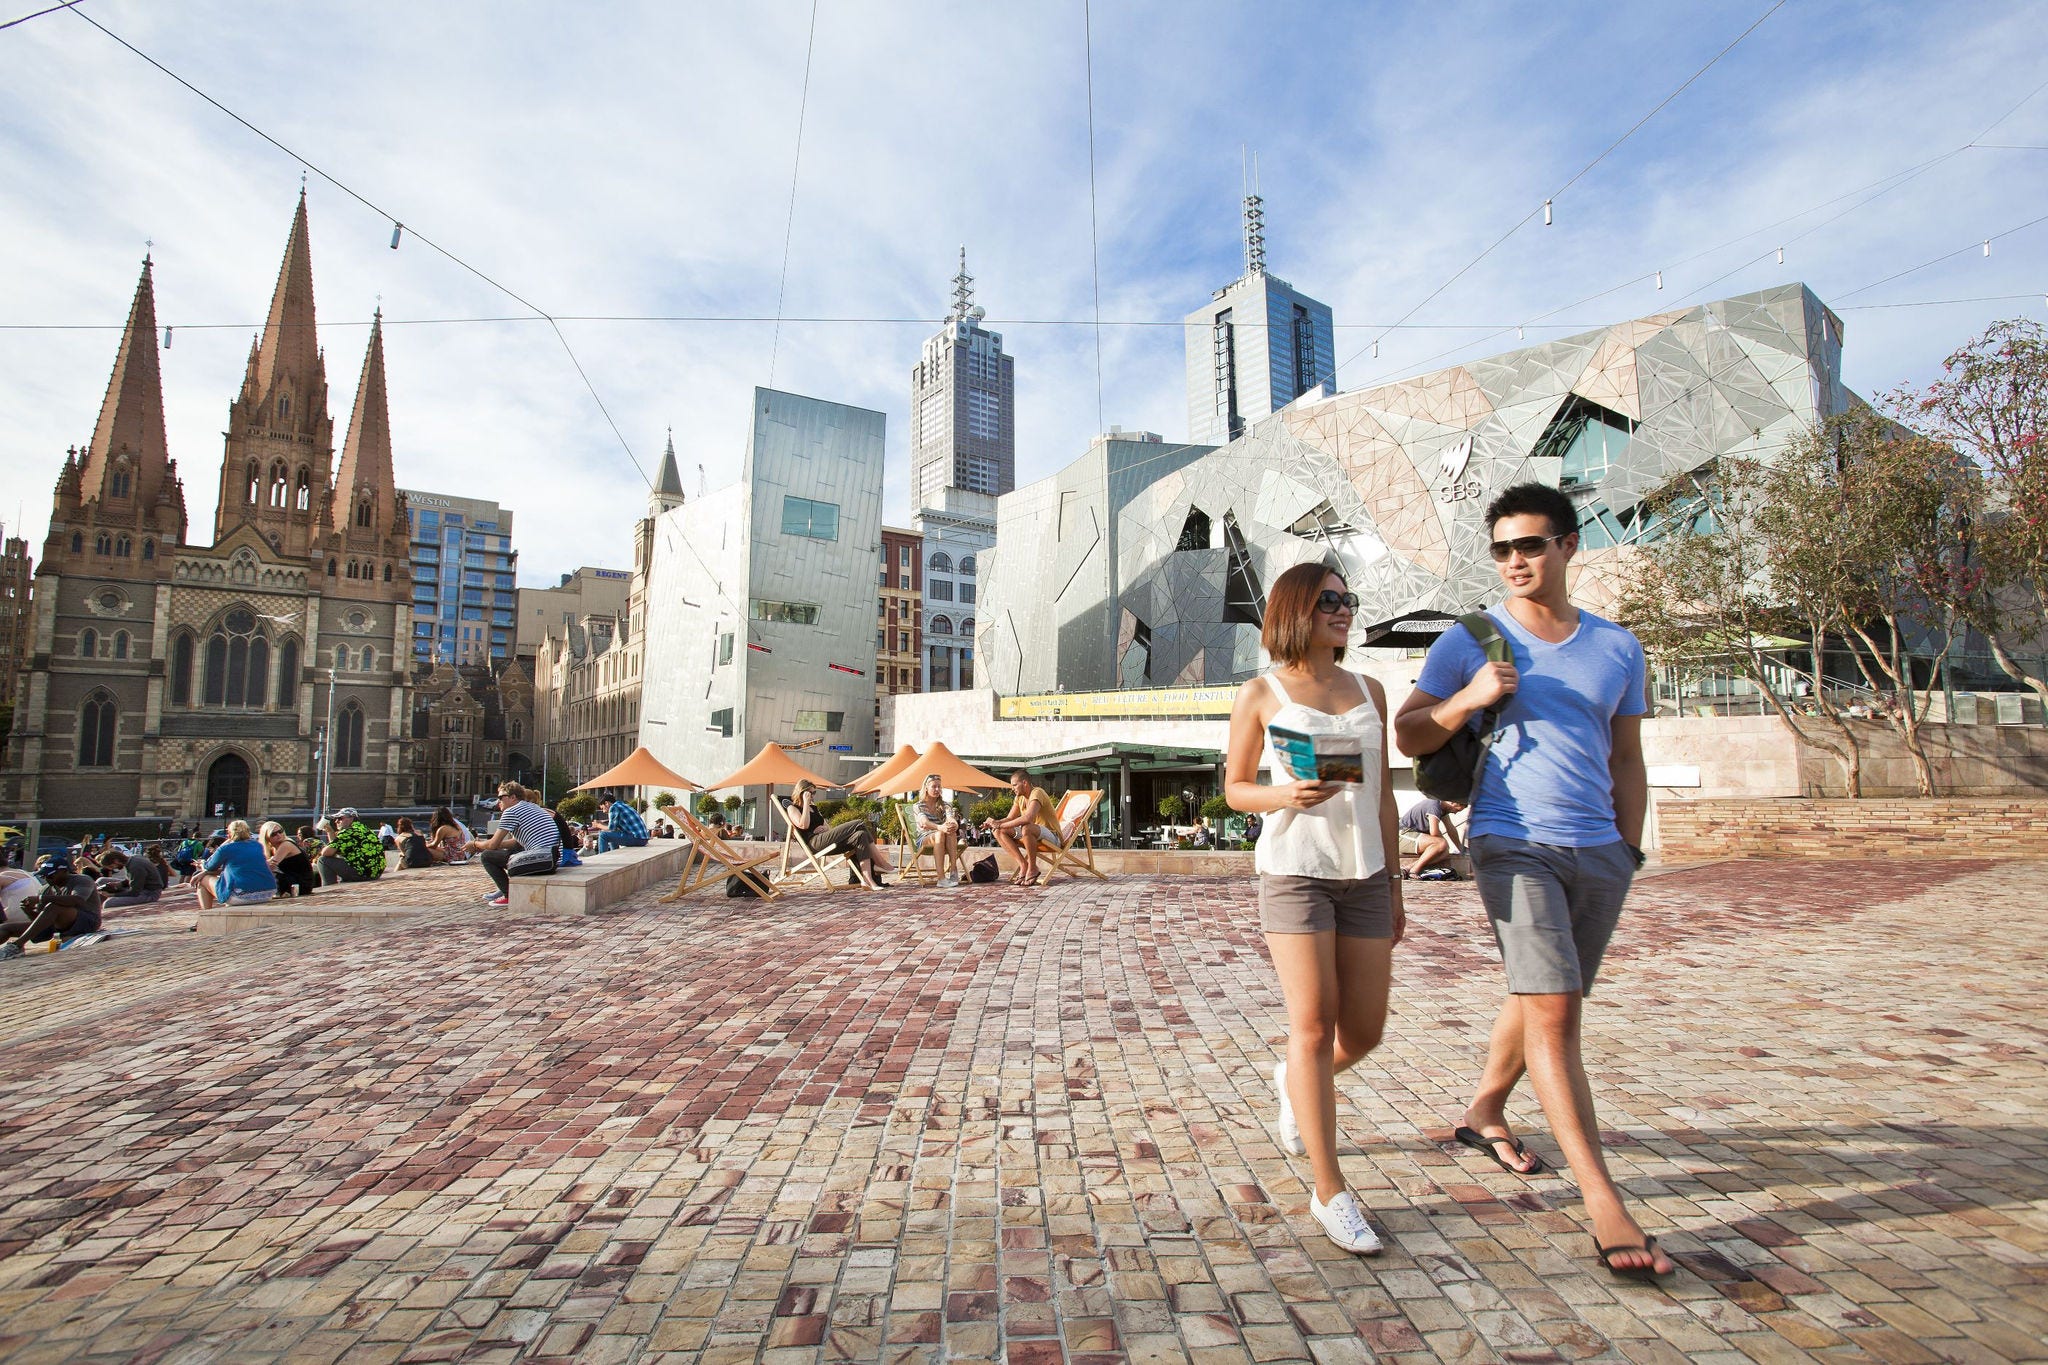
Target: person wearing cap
x: 68, y: 905
x: 352, y: 853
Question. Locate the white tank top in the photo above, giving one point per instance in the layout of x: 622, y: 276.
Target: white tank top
x: 1339, y: 839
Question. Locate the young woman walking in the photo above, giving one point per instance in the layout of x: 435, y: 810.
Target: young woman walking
x: 1330, y: 913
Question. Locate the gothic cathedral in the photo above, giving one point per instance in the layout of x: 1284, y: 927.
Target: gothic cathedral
x: 185, y: 681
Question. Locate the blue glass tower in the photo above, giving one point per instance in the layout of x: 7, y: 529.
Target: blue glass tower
x: 464, y: 570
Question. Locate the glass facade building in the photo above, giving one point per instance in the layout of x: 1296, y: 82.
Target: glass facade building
x: 464, y: 569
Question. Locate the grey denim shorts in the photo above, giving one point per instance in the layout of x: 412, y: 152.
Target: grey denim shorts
x: 1553, y: 908
x: 1363, y: 908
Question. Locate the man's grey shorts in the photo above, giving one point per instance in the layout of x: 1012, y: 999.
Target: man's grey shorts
x: 1553, y: 908
x: 1363, y: 908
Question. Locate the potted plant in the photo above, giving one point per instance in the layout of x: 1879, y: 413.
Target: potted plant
x: 1216, y: 811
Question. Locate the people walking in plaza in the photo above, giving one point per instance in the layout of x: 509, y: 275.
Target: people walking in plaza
x: 288, y: 861
x: 352, y: 853
x: 939, y: 825
x: 1033, y: 823
x: 623, y: 828
x: 1330, y: 912
x: 237, y: 873
x: 527, y: 842
x: 1557, y: 817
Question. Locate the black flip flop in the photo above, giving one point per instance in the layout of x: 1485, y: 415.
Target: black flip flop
x: 1647, y: 1273
x: 1472, y: 1137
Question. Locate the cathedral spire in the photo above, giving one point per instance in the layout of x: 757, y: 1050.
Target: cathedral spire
x: 668, y: 485
x: 290, y: 348
x: 365, y: 492
x: 131, y: 421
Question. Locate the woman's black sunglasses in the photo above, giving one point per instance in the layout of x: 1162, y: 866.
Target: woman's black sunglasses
x: 1327, y: 602
x: 1527, y: 546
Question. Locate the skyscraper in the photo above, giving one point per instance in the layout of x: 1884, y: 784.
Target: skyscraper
x: 464, y: 597
x: 963, y: 406
x: 1256, y: 346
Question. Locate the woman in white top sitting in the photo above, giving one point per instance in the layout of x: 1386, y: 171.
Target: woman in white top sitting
x: 940, y: 827
x: 1330, y: 913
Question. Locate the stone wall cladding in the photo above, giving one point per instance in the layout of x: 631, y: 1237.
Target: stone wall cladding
x: 1800, y: 828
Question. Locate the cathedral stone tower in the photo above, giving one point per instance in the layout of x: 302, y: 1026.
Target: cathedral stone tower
x: 280, y: 439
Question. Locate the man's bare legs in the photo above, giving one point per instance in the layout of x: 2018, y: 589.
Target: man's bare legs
x: 1428, y: 849
x: 1539, y: 1034
x: 1011, y: 846
x: 1336, y: 993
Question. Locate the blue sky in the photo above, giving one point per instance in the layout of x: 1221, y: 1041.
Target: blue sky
x: 636, y: 160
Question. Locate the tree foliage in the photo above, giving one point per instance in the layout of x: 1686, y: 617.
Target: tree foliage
x: 1991, y: 404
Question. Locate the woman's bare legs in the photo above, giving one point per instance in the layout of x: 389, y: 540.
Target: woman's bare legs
x: 1336, y: 993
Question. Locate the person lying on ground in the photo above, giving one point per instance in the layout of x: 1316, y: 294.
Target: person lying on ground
x: 143, y: 884
x: 288, y: 860
x: 237, y: 873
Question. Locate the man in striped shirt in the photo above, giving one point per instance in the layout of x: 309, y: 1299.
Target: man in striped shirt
x: 623, y: 828
x: 523, y: 827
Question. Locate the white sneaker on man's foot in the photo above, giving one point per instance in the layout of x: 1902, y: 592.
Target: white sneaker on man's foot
x: 1344, y: 1223
x: 1290, y: 1133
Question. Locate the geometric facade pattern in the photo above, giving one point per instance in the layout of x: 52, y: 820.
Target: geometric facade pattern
x: 1158, y: 554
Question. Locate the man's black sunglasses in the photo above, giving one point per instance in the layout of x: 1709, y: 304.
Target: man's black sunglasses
x: 1526, y: 546
x: 1327, y: 601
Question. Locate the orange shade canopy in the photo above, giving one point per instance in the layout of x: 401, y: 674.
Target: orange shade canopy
x: 954, y: 773
x: 772, y: 767
x: 892, y: 765
x: 641, y: 769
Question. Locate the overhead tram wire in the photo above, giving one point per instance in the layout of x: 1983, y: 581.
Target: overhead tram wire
x: 507, y: 291
x: 803, y: 105
x: 1094, y: 238
x: 1544, y: 207
x: 1883, y: 185
x: 40, y: 13
x: 1984, y: 242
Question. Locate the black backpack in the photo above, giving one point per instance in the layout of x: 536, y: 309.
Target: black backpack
x: 983, y: 871
x: 1452, y: 772
x: 738, y: 888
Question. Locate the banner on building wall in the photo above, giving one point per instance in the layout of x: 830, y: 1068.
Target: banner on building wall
x: 1155, y: 701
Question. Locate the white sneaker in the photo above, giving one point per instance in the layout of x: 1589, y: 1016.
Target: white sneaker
x: 1290, y: 1133
x: 949, y: 880
x: 1344, y: 1223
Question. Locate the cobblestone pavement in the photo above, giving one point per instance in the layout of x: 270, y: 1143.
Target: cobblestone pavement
x: 1030, y: 1126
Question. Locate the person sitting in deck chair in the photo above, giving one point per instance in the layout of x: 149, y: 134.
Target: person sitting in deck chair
x: 852, y: 838
x: 939, y: 825
x: 1033, y: 822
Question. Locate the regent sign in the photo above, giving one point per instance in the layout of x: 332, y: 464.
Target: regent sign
x: 1151, y: 701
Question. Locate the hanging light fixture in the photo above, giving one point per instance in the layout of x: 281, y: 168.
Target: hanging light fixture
x: 167, y: 338
x: 1546, y: 213
x: 396, y: 229
x: 1518, y: 333
x: 1660, y: 279
x: 1781, y: 255
x: 1375, y: 350
x: 1987, y: 246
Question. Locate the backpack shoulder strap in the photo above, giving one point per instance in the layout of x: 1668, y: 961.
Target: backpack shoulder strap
x: 1480, y: 626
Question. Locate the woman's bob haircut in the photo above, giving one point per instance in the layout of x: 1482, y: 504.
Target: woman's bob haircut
x: 1291, y: 613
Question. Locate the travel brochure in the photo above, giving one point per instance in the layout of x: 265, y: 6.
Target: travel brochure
x: 1318, y: 758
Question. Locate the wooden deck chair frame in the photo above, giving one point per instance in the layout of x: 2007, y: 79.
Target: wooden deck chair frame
x: 801, y: 863
x: 920, y: 862
x: 1076, y: 854
x: 711, y: 859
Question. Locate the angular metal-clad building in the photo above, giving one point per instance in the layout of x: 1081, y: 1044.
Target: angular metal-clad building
x: 1146, y: 565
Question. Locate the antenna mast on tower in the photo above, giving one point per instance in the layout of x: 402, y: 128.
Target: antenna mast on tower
x: 1254, y: 226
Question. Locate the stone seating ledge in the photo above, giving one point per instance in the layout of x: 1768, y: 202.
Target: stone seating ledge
x: 603, y: 881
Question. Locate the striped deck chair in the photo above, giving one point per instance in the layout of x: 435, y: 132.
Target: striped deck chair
x: 712, y: 859
x: 801, y: 863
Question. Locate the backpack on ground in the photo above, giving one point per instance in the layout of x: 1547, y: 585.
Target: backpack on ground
x: 984, y: 870
x: 738, y: 888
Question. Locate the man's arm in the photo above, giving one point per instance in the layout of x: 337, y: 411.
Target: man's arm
x: 1631, y: 779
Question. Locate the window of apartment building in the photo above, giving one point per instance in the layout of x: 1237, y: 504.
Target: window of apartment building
x: 885, y: 576
x: 881, y: 606
x: 721, y: 721
x: 938, y: 590
x: 725, y: 648
x: 789, y: 613
x: 881, y: 639
x: 820, y: 722
x: 903, y: 556
x: 804, y: 517
x: 984, y: 415
x: 967, y: 566
x: 966, y: 592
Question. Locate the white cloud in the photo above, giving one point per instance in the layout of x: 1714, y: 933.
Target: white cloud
x: 636, y: 160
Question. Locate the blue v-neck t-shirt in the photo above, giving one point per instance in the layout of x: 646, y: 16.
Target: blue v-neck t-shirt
x: 1546, y: 778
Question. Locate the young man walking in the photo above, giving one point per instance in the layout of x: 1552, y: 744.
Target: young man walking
x: 1557, y: 817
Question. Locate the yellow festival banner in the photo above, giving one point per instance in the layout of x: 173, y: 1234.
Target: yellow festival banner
x: 1171, y: 702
